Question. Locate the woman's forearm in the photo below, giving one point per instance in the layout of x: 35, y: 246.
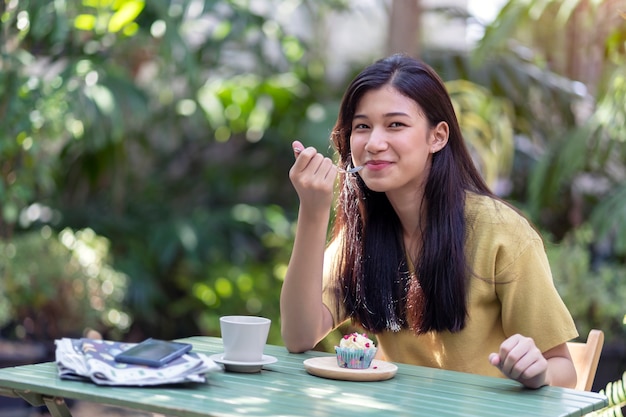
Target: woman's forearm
x: 561, y: 372
x: 304, y: 318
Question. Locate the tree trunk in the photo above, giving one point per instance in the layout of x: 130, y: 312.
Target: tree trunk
x: 404, y: 25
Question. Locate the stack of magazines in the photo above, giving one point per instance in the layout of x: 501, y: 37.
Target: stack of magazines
x: 94, y: 360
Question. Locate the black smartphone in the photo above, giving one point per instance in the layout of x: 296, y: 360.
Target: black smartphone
x: 153, y: 352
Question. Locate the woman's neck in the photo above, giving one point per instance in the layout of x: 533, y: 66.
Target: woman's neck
x: 411, y: 213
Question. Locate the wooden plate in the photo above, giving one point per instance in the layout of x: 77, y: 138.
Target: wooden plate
x: 326, y: 367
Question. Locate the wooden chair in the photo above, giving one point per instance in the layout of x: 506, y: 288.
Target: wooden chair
x: 586, y: 357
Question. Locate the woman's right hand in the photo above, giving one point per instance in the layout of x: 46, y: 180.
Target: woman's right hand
x: 313, y: 176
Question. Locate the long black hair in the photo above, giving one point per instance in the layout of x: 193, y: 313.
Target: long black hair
x: 375, y: 282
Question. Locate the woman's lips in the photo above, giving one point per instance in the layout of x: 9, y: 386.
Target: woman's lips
x: 377, y: 165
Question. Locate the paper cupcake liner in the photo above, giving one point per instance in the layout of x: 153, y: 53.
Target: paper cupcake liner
x: 354, y: 358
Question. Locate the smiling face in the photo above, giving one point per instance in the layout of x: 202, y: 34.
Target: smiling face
x: 392, y: 137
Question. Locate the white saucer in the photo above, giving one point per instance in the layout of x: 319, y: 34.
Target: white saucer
x: 246, y: 367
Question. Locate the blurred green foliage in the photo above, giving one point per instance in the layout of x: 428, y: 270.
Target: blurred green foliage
x: 60, y: 284
x: 592, y: 288
x: 164, y: 126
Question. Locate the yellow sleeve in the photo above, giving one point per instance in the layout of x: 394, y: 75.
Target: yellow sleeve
x: 504, y: 249
x: 531, y: 304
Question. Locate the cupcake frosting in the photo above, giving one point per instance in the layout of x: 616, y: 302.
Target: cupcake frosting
x: 356, y: 341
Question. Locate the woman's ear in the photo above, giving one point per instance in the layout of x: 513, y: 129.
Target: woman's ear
x: 439, y: 137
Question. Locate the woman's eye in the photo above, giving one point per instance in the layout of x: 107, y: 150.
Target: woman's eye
x: 360, y: 126
x: 396, y: 124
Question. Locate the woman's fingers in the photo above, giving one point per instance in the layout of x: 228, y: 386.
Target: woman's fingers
x: 521, y: 360
x: 297, y: 147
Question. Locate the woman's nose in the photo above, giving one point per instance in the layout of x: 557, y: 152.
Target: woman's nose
x: 376, y: 142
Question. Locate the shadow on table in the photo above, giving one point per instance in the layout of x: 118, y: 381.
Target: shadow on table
x: 17, y: 354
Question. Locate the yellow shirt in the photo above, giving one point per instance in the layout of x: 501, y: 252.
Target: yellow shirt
x: 511, y: 291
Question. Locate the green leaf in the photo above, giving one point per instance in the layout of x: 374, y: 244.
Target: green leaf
x: 616, y: 393
x: 609, y: 217
x: 125, y: 15
x: 85, y: 22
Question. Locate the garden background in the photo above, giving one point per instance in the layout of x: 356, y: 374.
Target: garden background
x: 145, y: 147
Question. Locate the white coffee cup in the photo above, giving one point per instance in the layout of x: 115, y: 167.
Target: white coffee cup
x: 244, y: 337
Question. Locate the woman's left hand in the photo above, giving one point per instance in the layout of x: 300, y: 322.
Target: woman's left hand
x: 520, y: 359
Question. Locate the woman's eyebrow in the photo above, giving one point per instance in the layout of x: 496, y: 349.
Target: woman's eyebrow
x: 396, y: 113
x: 391, y: 114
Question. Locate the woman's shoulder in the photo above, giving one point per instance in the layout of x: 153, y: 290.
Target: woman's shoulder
x: 486, y: 212
x: 480, y: 205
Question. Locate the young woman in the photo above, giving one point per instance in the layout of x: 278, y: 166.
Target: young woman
x: 422, y: 254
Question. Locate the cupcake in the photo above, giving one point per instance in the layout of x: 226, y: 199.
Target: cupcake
x: 355, y: 351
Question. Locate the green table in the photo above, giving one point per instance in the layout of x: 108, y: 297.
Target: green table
x: 284, y: 388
